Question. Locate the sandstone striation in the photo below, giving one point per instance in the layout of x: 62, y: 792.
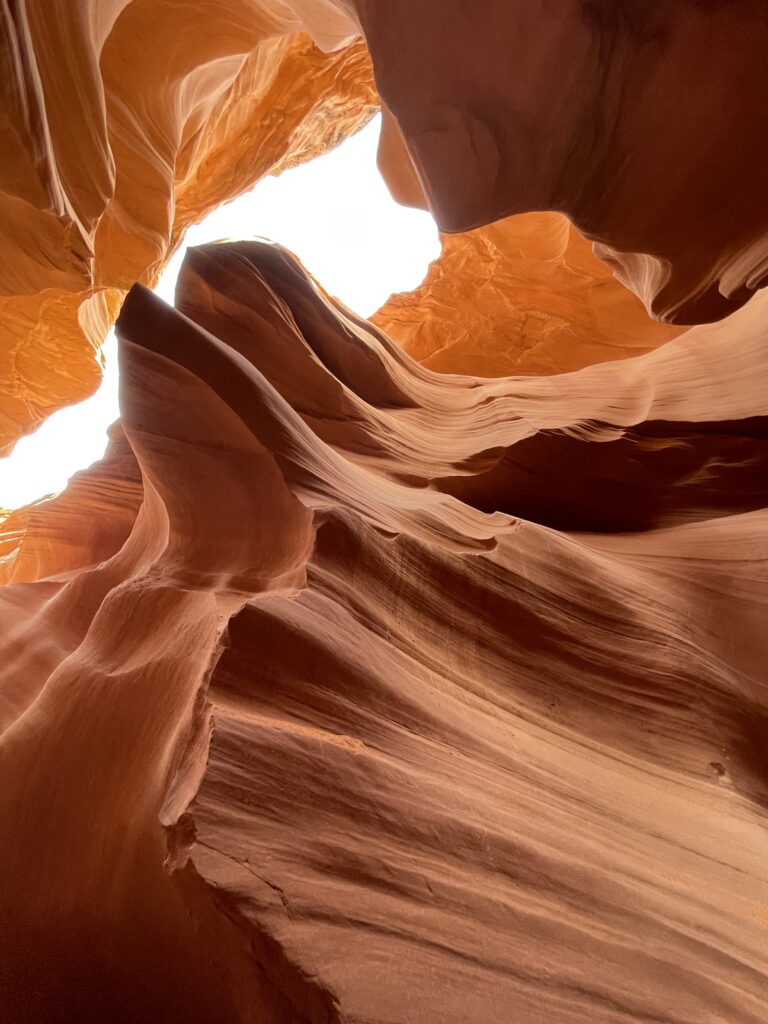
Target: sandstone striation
x: 406, y: 671
x: 407, y: 697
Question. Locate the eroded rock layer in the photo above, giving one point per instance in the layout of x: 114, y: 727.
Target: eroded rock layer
x: 401, y: 697
x: 124, y: 123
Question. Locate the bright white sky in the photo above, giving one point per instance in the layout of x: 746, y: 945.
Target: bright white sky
x: 335, y: 213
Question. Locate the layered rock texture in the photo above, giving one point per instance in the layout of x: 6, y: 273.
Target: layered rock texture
x: 125, y: 122
x: 409, y: 671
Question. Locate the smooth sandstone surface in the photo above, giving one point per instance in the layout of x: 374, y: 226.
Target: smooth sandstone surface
x: 645, y: 122
x: 404, y: 672
x: 404, y: 696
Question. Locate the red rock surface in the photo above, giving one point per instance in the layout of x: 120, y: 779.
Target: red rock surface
x: 645, y: 122
x: 346, y: 691
x: 408, y: 697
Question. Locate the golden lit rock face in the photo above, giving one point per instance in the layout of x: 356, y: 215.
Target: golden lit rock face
x: 48, y: 355
x: 161, y: 112
x: 522, y: 296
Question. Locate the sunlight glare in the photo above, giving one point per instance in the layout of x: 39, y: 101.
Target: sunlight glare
x: 334, y: 213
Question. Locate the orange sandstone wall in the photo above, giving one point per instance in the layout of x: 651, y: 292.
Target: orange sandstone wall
x: 524, y: 295
x: 646, y: 123
x: 343, y: 690
x: 162, y: 110
x: 123, y: 124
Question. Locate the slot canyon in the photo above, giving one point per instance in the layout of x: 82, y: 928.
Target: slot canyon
x: 402, y: 670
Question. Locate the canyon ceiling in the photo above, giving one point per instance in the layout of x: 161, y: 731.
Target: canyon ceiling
x: 402, y: 671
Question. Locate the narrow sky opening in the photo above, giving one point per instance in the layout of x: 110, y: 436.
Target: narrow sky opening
x: 335, y: 213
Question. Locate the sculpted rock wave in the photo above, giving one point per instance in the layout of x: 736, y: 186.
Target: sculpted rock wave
x: 125, y: 122
x: 409, y: 671
x: 404, y: 697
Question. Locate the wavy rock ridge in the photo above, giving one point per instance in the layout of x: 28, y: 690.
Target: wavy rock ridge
x: 362, y: 682
x: 404, y: 758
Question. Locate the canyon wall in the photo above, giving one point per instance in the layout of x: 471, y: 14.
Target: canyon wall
x: 534, y: 300
x: 644, y: 122
x: 404, y: 671
x: 125, y: 123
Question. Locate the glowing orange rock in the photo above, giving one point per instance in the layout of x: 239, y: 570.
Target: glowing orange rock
x: 160, y: 112
x: 522, y: 296
x: 342, y: 689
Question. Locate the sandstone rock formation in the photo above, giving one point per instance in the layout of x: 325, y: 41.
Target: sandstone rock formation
x: 163, y: 110
x: 644, y: 122
x: 534, y: 300
x: 347, y: 691
x: 126, y: 122
x: 457, y: 762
